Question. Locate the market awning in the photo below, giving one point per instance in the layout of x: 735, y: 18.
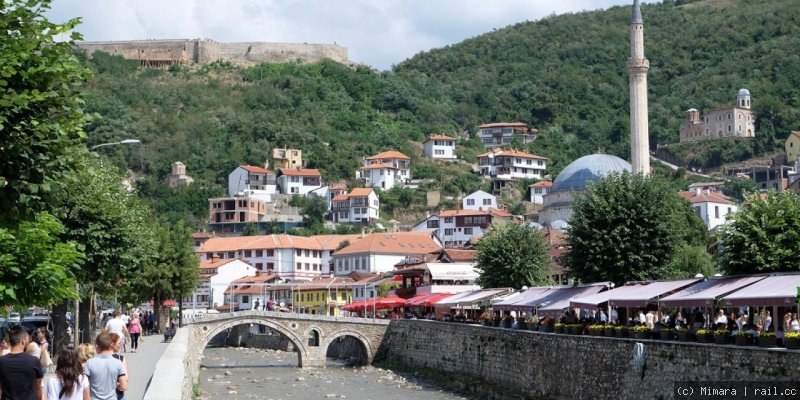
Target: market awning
x: 472, y: 299
x: 554, y: 305
x: 452, y: 271
x: 778, y: 290
x: 706, y: 294
x: 516, y: 301
x: 380, y: 303
x: 651, y: 292
x: 427, y: 299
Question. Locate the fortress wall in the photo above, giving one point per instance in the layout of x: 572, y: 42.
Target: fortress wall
x: 144, y: 49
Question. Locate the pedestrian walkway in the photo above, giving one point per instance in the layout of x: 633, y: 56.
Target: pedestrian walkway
x: 142, y: 364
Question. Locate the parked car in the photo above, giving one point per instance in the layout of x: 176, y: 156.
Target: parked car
x: 14, y: 318
x: 34, y: 322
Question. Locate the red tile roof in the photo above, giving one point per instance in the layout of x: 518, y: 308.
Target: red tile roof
x: 389, y: 154
x: 796, y: 133
x: 360, y: 192
x: 256, y: 170
x: 215, y: 263
x: 500, y: 213
x: 337, y: 187
x: 392, y: 243
x: 458, y: 213
x: 511, y: 153
x: 299, y: 172
x: 378, y: 166
x: 457, y: 255
x: 705, y: 197
x: 544, y: 184
x: 341, y: 197
x: 439, y: 137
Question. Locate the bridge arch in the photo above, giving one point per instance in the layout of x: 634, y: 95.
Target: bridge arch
x: 210, y: 329
x: 362, y: 340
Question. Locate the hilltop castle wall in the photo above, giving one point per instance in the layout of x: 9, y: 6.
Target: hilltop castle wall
x: 201, y: 51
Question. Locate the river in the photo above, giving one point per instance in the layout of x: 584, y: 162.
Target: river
x: 234, y: 373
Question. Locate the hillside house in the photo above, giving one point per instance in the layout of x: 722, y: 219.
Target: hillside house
x: 460, y: 227
x: 440, y: 147
x: 479, y: 200
x: 792, y: 146
x: 379, y: 252
x: 247, y: 292
x: 248, y: 179
x: 361, y: 205
x: 298, y: 181
x: 287, y: 158
x: 385, y: 170
x: 216, y: 276
x: 504, y: 133
x: 538, y: 190
x: 712, y: 207
x: 236, y: 210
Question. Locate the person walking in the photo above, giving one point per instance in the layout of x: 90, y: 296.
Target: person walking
x: 117, y: 325
x: 106, y: 374
x: 20, y: 373
x: 135, y: 330
x: 69, y: 382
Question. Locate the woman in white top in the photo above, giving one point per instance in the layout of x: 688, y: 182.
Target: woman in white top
x: 69, y: 382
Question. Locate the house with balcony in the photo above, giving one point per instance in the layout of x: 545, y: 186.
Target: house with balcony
x: 713, y: 208
x: 323, y: 296
x: 361, y: 205
x: 503, y: 133
x: 538, y: 190
x: 479, y: 200
x: 298, y: 181
x: 216, y: 276
x: 292, y: 258
x: 252, y: 180
x: 440, y: 147
x: 379, y: 252
x: 456, y: 228
x: 287, y: 158
x: 385, y: 170
x: 247, y: 292
x: 505, y: 166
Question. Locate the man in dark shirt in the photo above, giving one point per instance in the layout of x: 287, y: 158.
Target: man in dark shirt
x: 20, y: 373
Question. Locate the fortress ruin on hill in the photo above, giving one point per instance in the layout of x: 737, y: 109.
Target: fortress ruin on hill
x: 162, y: 53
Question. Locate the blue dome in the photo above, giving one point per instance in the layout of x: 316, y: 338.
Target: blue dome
x: 588, y: 169
x: 744, y: 92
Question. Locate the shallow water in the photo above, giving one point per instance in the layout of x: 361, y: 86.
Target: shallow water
x: 241, y: 373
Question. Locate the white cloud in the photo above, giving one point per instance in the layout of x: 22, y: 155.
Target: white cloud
x: 376, y: 32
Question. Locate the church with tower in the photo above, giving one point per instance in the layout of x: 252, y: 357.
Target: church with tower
x: 736, y: 121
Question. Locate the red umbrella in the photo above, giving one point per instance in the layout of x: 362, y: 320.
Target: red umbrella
x: 381, y: 303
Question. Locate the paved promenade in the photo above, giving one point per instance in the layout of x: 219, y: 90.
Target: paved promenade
x: 142, y: 364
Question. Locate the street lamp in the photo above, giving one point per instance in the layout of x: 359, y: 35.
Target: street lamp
x: 126, y: 141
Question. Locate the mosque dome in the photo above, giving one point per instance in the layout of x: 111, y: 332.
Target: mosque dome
x: 744, y: 92
x: 588, y: 169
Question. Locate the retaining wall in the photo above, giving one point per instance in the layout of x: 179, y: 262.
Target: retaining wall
x: 544, y: 365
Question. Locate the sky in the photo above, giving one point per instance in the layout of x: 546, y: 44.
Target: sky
x: 379, y: 33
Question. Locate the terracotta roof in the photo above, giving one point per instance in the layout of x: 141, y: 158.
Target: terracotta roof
x: 299, y: 172
x: 378, y: 166
x: 705, y: 197
x: 392, y: 243
x: 500, y: 213
x: 545, y: 184
x: 796, y: 133
x: 389, y: 154
x: 337, y: 187
x: 331, y: 242
x: 511, y: 153
x: 200, y: 235
x: 281, y: 241
x: 341, y: 197
x: 502, y: 124
x: 256, y: 170
x: 360, y: 192
x: 439, y: 137
x: 215, y: 263
x: 457, y: 255
x: 458, y: 213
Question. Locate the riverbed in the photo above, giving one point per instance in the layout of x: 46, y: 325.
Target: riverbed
x: 234, y: 373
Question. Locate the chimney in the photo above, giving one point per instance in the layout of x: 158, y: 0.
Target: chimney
x: 697, y: 191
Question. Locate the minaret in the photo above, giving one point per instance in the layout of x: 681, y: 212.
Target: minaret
x: 637, y: 69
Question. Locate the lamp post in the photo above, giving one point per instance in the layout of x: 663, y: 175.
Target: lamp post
x: 126, y: 141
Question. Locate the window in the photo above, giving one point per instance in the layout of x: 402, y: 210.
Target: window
x: 270, y: 266
x: 470, y: 202
x: 259, y: 266
x: 259, y: 253
x: 299, y: 266
x: 448, y: 220
x: 306, y: 252
x: 231, y: 254
x: 294, y: 179
x: 468, y: 231
x: 448, y: 232
x: 487, y: 202
x: 699, y: 211
x: 270, y: 253
x: 245, y: 299
x: 298, y: 252
x: 248, y: 253
x: 716, y: 211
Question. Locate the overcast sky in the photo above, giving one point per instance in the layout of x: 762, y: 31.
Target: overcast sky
x: 376, y: 32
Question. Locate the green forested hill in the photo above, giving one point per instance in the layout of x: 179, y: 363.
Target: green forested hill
x: 565, y: 75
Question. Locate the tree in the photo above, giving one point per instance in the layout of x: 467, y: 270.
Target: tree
x: 512, y: 255
x: 627, y: 228
x: 41, y: 115
x: 739, y: 188
x: 314, y: 208
x: 36, y: 268
x: 762, y: 236
x: 690, y: 260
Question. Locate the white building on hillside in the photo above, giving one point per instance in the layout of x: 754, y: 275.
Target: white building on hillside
x: 299, y: 181
x: 360, y: 205
x: 440, y: 147
x: 512, y: 164
x: 504, y: 133
x: 538, y: 190
x: 479, y: 200
x: 248, y: 179
x: 712, y: 207
x: 215, y: 277
x: 386, y: 170
x: 459, y: 227
x: 379, y: 252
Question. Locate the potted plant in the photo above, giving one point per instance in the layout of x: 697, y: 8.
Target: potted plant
x: 767, y: 339
x: 721, y: 336
x: 596, y: 330
x: 743, y: 338
x: 560, y: 327
x: 621, y: 331
x: 575, y: 329
x: 704, y: 335
x: 640, y: 332
x: 791, y: 340
x: 610, y: 331
x: 684, y: 335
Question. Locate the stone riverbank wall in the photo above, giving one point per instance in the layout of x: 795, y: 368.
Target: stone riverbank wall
x: 544, y: 365
x: 201, y: 51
